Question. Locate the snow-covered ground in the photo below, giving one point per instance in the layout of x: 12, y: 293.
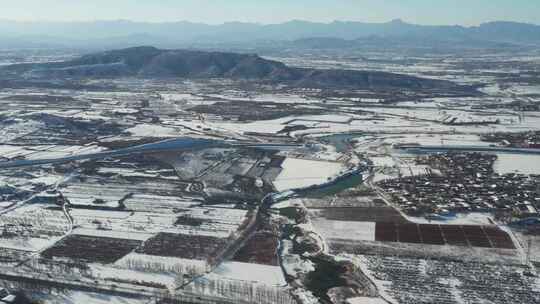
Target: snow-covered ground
x: 366, y: 300
x: 46, y: 152
x: 330, y: 229
x: 126, y: 235
x: 517, y: 163
x: 110, y: 273
x: 81, y: 297
x: 382, y: 161
x: 47, y: 227
x: 255, y: 273
x: 153, y: 131
x: 141, y: 225
x: 299, y: 173
x: 32, y: 244
x: 168, y: 264
x: 472, y: 218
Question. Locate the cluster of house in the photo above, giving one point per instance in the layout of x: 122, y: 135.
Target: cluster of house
x: 465, y: 182
x: 529, y: 140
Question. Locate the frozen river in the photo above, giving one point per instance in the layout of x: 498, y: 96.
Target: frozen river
x: 178, y: 144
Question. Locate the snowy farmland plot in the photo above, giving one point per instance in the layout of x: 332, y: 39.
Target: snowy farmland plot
x: 330, y: 229
x: 301, y: 173
x: 32, y: 228
x: 131, y: 223
x: 261, y: 274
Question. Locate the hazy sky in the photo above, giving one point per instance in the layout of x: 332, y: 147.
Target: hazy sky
x: 466, y: 12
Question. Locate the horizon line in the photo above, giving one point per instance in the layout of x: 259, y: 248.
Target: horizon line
x: 395, y: 20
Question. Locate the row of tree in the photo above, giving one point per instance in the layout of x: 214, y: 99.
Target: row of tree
x: 241, y: 291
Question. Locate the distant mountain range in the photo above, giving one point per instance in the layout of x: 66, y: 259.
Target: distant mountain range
x: 113, y: 34
x: 150, y: 62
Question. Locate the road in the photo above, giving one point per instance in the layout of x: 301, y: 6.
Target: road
x: 421, y: 148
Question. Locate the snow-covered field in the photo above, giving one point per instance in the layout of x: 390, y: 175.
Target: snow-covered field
x: 255, y: 273
x: 79, y: 297
x: 42, y: 228
x: 366, y: 300
x: 517, y: 163
x: 140, y: 225
x: 330, y: 229
x: 148, y: 130
x: 126, y: 235
x: 160, y: 264
x: 473, y: 218
x: 110, y: 273
x: 382, y: 161
x: 299, y: 173
x: 46, y: 152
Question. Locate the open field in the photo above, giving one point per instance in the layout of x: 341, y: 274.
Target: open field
x: 477, y: 236
x: 261, y: 248
x: 91, y: 249
x: 182, y: 246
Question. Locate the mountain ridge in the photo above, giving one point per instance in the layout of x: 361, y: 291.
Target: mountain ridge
x: 183, y: 32
x: 151, y: 62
